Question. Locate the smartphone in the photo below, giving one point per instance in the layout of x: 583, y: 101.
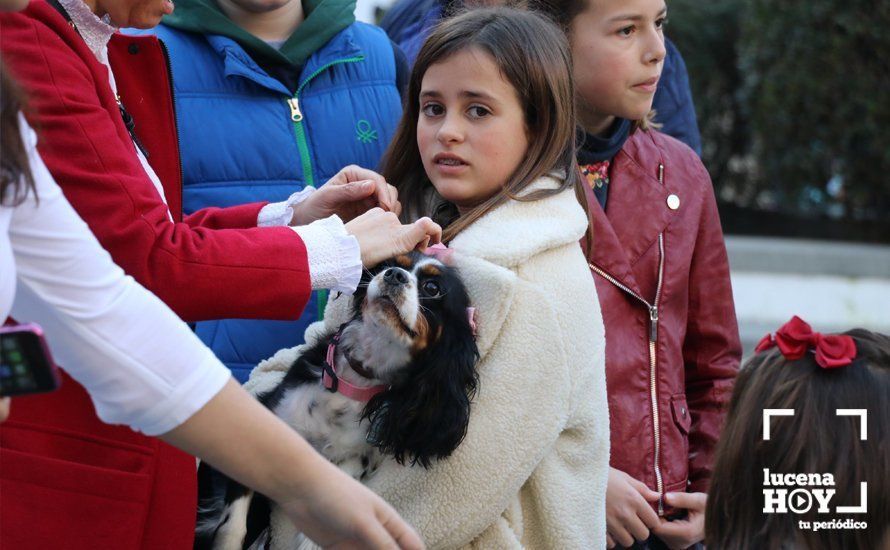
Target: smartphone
x: 26, y: 365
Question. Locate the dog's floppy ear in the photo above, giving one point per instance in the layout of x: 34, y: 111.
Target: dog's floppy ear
x: 426, y: 417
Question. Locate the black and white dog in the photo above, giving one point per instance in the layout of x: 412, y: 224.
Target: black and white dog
x: 395, y: 380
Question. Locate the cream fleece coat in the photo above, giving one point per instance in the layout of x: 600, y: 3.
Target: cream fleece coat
x: 532, y: 470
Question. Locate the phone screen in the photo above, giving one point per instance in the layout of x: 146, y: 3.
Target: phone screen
x: 25, y: 364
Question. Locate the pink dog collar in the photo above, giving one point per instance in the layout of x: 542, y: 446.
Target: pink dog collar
x: 335, y: 384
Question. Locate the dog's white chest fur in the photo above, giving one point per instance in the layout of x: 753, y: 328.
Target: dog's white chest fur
x: 331, y: 423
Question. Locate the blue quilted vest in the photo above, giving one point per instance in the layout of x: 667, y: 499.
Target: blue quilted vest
x: 245, y: 138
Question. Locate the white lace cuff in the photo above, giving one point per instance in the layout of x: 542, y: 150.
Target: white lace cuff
x: 335, y: 259
x: 276, y: 214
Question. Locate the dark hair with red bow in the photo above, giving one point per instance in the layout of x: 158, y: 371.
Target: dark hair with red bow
x: 796, y: 338
x: 797, y: 368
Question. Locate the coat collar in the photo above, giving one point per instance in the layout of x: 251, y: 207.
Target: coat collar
x: 517, y: 230
x: 638, y: 210
x: 238, y: 62
x: 487, y: 251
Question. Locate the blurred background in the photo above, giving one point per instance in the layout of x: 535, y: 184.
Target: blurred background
x: 793, y: 105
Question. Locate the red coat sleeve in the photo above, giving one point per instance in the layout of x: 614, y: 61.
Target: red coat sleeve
x: 243, y: 216
x: 200, y: 271
x: 711, y: 350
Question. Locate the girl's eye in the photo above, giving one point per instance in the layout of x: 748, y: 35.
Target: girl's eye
x: 626, y: 31
x: 432, y: 109
x: 660, y: 23
x: 477, y: 111
x: 430, y: 288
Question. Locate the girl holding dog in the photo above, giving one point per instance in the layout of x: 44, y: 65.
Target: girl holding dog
x: 661, y: 272
x: 486, y: 147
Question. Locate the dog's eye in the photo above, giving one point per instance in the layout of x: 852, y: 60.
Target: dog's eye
x: 430, y: 288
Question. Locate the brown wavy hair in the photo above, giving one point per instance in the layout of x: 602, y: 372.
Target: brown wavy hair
x: 532, y: 54
x: 15, y: 173
x: 814, y: 440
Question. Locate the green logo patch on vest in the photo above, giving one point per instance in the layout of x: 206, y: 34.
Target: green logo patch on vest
x: 364, y: 133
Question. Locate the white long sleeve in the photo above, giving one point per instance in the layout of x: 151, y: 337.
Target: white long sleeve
x: 335, y: 259
x: 140, y: 363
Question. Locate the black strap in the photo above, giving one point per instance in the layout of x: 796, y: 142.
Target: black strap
x: 131, y: 125
x: 58, y: 7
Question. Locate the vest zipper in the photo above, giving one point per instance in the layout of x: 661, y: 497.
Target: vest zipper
x: 302, y: 147
x: 297, y: 117
x: 653, y: 351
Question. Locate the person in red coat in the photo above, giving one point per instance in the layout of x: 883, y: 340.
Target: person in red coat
x: 102, y: 106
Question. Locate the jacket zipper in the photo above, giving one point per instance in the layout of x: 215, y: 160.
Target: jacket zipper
x: 296, y: 116
x: 653, y: 341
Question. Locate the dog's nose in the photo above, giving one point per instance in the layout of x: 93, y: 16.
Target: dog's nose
x: 395, y: 276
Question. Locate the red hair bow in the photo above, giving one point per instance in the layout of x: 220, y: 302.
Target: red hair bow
x: 796, y: 337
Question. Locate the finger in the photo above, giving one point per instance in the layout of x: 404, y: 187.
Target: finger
x: 393, y: 193
x: 343, y: 196
x: 422, y: 246
x: 347, y: 174
x: 647, y: 493
x: 354, y: 191
x: 381, y: 193
x: 610, y: 542
x: 397, y: 528
x: 375, y: 536
x: 637, y: 528
x: 356, y: 173
x: 426, y: 226
x: 645, y: 512
x: 397, y: 208
x: 690, y: 501
x: 679, y: 529
x: 621, y: 536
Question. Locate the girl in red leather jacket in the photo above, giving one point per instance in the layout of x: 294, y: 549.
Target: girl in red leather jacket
x: 661, y: 271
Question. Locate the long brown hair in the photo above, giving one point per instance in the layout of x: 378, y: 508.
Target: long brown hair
x: 15, y: 172
x: 814, y: 440
x: 532, y: 54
